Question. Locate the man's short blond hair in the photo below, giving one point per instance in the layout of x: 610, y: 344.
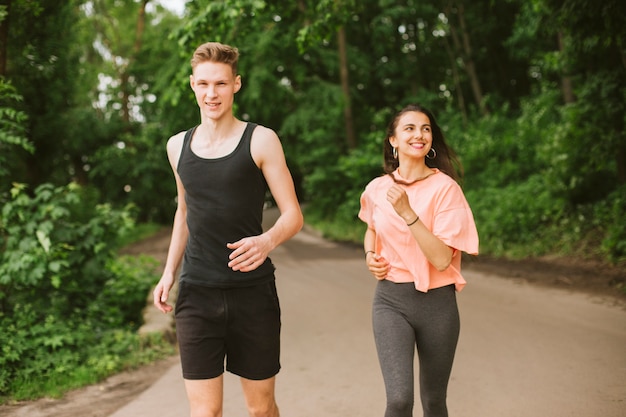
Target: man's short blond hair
x: 216, y: 52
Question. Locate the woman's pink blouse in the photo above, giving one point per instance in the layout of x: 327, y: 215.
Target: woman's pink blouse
x: 441, y: 206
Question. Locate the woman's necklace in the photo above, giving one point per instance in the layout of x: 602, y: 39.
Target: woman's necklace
x: 403, y: 182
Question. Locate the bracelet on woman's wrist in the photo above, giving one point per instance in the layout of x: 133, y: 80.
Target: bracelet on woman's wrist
x: 369, y: 251
x: 414, y: 221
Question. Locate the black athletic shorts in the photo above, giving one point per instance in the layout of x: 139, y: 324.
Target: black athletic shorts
x: 239, y: 325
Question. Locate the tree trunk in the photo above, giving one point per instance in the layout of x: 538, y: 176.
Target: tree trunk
x: 124, y: 77
x: 457, y: 81
x: 566, y: 81
x: 4, y: 38
x: 621, y: 164
x: 80, y: 175
x: 345, y: 88
x: 141, y: 24
x: 470, y: 66
x: 303, y: 9
x: 464, y: 49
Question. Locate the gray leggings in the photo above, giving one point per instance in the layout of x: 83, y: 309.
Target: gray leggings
x: 403, y: 319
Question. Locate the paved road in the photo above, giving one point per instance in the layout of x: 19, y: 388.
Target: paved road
x: 524, y: 351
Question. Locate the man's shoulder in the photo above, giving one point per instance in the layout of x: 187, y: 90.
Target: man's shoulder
x: 264, y: 138
x: 265, y: 146
x: 263, y: 132
x: 176, y: 139
x: 174, y: 147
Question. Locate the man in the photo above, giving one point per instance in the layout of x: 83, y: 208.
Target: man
x: 227, y: 307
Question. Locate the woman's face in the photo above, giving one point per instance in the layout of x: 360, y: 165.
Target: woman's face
x: 413, y: 136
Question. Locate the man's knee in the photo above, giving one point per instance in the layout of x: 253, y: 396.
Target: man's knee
x: 260, y: 397
x: 205, y: 411
x: 205, y: 397
x: 269, y: 410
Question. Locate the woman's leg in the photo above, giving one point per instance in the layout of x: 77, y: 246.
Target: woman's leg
x: 436, y: 345
x: 395, y: 343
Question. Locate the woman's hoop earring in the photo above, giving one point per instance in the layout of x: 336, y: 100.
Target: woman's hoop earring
x: 434, y: 153
x: 394, y: 152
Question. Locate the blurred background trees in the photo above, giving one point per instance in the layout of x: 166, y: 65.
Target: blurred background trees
x: 531, y: 94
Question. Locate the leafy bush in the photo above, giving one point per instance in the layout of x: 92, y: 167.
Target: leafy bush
x: 514, y: 220
x: 68, y: 304
x: 123, y: 296
x: 58, y: 242
x: 611, y: 216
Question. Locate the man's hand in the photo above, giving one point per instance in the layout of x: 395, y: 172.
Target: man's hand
x: 249, y: 253
x: 161, y: 293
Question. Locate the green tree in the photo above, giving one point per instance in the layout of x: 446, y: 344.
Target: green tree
x: 43, y: 70
x: 584, y: 59
x: 129, y: 165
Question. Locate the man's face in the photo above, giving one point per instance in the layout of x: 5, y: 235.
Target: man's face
x: 214, y: 85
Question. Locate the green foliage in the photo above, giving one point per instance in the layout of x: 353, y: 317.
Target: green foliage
x: 323, y: 18
x: 591, y: 141
x: 123, y: 296
x: 523, y: 186
x: 41, y: 68
x: 135, y: 171
x: 609, y: 219
x: 515, y: 216
x: 346, y: 230
x: 55, y: 234
x: 52, y: 372
x: 335, y: 188
x: 316, y: 127
x: 78, y: 113
x: 139, y: 232
x: 67, y: 302
x: 224, y: 20
x: 12, y: 129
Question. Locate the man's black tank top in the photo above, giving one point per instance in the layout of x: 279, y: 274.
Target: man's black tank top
x: 225, y: 198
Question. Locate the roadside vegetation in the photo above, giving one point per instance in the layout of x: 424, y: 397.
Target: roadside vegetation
x: 532, y: 96
x: 70, y: 306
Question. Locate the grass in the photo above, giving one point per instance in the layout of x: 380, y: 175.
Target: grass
x: 142, y: 350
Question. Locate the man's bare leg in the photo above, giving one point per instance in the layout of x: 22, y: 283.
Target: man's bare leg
x: 205, y: 396
x: 260, y: 397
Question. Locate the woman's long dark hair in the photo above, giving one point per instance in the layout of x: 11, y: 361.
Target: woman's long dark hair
x: 446, y: 160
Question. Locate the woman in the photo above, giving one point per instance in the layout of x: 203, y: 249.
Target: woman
x: 418, y: 223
